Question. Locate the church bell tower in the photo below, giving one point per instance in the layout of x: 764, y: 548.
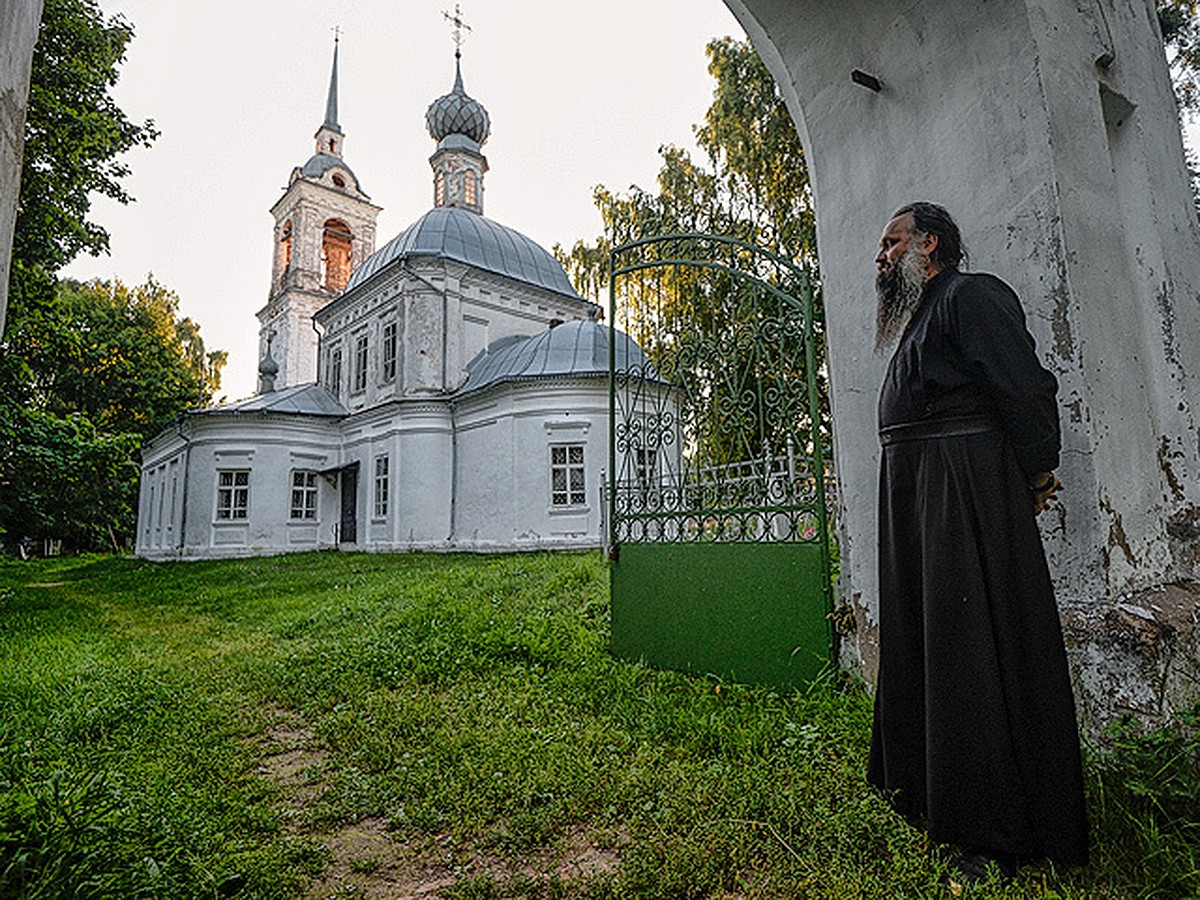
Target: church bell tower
x: 324, y: 229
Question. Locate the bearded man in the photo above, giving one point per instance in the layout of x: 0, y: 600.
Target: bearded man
x: 974, y: 731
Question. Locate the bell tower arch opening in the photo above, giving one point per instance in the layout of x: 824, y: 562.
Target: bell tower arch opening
x: 337, y: 241
x: 325, y: 228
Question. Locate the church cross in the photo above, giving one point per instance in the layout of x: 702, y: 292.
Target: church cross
x: 337, y: 33
x: 459, y: 26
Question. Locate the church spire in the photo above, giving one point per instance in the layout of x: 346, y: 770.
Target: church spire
x: 331, y: 110
x: 329, y: 135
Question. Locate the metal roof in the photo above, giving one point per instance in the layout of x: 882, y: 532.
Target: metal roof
x: 320, y: 163
x: 447, y: 232
x: 300, y: 399
x: 571, y: 349
x: 457, y: 113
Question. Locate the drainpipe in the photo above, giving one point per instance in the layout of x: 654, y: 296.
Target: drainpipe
x: 453, y: 472
x: 445, y: 313
x: 317, y: 330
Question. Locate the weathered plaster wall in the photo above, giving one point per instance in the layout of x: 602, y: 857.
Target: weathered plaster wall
x: 18, y: 33
x: 1049, y: 130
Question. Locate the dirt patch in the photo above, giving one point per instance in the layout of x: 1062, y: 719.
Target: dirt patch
x: 370, y: 862
x: 293, y: 759
x: 45, y: 584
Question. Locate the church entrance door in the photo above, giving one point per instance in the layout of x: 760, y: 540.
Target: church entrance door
x: 348, y: 529
x: 717, y: 511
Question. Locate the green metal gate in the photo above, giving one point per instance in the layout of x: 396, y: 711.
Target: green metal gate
x: 717, y: 520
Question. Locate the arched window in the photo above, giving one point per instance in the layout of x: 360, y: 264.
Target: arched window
x: 439, y: 190
x: 469, y: 188
x: 335, y: 254
x: 285, y: 246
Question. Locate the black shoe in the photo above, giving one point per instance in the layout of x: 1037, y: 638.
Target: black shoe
x: 980, y: 866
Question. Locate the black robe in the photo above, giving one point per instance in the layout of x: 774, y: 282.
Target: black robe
x: 974, y: 724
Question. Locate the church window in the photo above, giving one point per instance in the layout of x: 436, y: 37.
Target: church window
x: 645, y: 462
x: 439, y: 190
x: 233, y: 493
x: 567, y: 486
x: 382, y: 485
x: 469, y: 188
x: 304, y: 495
x: 285, y: 246
x: 360, y: 363
x: 339, y: 181
x: 389, y: 351
x: 335, y: 254
x: 334, y: 378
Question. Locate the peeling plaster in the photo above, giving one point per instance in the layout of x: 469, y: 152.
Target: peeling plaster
x: 1164, y: 463
x: 1116, y: 535
x: 1139, y: 655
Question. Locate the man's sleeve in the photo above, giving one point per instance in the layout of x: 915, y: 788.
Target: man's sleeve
x: 1003, y: 356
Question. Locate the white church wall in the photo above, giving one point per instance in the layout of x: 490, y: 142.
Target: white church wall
x: 222, y: 486
x: 416, y: 437
x: 486, y: 490
x: 505, y: 441
x: 161, y: 494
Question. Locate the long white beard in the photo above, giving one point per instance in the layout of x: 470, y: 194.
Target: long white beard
x: 898, y: 292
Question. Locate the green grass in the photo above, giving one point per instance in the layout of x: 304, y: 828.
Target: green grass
x: 467, y: 701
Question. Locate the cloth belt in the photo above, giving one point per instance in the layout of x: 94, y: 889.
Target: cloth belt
x: 935, y: 428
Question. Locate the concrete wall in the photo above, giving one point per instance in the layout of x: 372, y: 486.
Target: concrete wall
x: 1050, y: 131
x: 18, y: 33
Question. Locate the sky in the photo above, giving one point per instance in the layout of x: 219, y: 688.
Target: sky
x: 579, y: 95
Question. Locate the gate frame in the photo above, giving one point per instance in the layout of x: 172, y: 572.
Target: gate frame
x: 803, y: 306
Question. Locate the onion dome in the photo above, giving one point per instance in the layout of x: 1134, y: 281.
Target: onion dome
x: 267, y: 369
x: 456, y: 113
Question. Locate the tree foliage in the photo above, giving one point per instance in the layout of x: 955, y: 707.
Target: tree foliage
x: 1180, y: 24
x: 751, y: 186
x: 85, y: 379
x: 755, y: 186
x: 74, y: 134
x: 119, y: 356
x: 87, y: 371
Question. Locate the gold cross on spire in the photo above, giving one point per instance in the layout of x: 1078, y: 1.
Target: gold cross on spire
x: 459, y: 26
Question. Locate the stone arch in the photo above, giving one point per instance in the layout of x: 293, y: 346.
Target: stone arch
x: 336, y: 243
x: 284, y: 250
x: 1004, y: 113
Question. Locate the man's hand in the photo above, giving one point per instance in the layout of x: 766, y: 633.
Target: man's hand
x: 1044, y: 487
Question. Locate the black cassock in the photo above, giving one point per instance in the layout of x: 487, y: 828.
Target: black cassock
x: 974, y: 719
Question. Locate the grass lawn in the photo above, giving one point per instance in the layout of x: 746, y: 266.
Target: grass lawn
x: 344, y: 725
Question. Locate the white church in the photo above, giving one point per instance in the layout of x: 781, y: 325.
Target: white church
x: 447, y: 391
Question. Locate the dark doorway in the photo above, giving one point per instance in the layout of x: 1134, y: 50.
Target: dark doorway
x: 349, y: 526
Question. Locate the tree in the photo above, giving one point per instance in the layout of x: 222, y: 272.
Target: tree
x: 74, y: 134
x: 1179, y: 21
x: 753, y: 187
x: 87, y: 371
x: 119, y: 356
x: 756, y: 187
x: 86, y: 379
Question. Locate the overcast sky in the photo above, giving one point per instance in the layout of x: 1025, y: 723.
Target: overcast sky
x: 579, y: 95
